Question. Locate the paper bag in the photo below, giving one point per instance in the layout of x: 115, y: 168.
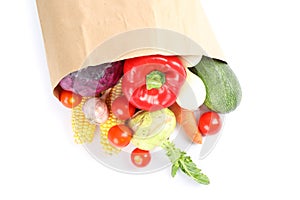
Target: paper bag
x: 80, y: 33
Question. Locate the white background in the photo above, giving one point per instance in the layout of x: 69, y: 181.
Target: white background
x: 257, y: 156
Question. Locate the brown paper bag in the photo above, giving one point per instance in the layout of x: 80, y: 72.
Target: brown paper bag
x: 80, y: 33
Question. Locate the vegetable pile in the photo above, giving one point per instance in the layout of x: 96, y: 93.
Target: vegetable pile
x: 139, y: 102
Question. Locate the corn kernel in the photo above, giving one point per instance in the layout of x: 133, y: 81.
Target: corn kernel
x: 114, y: 93
x: 84, y: 131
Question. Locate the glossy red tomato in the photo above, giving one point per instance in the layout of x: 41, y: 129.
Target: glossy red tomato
x: 140, y: 158
x: 210, y: 123
x: 122, y: 109
x: 120, y: 135
x: 69, y: 99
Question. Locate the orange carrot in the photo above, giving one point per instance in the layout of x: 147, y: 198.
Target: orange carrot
x: 187, y: 120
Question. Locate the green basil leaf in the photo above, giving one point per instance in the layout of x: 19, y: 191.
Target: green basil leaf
x: 175, y: 168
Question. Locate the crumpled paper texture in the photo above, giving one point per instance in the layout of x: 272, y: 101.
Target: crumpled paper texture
x: 80, y: 33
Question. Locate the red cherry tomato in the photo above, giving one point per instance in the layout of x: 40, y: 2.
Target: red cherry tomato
x: 140, y: 158
x: 70, y: 99
x: 120, y: 135
x: 209, y: 123
x: 122, y: 109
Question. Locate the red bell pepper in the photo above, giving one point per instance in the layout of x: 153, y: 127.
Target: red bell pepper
x: 153, y: 82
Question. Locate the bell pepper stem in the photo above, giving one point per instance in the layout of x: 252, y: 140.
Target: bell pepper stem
x: 155, y: 79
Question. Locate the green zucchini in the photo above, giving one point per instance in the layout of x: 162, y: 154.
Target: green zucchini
x: 223, y: 90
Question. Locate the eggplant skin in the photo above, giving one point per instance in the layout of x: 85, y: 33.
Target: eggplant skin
x: 223, y: 90
x: 93, y: 80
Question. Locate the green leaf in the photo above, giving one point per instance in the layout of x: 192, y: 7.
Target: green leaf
x: 172, y: 152
x: 189, y: 167
x: 175, y: 168
x: 181, y: 161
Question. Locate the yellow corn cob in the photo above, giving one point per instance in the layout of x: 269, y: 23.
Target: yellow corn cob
x: 114, y: 93
x: 84, y: 131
